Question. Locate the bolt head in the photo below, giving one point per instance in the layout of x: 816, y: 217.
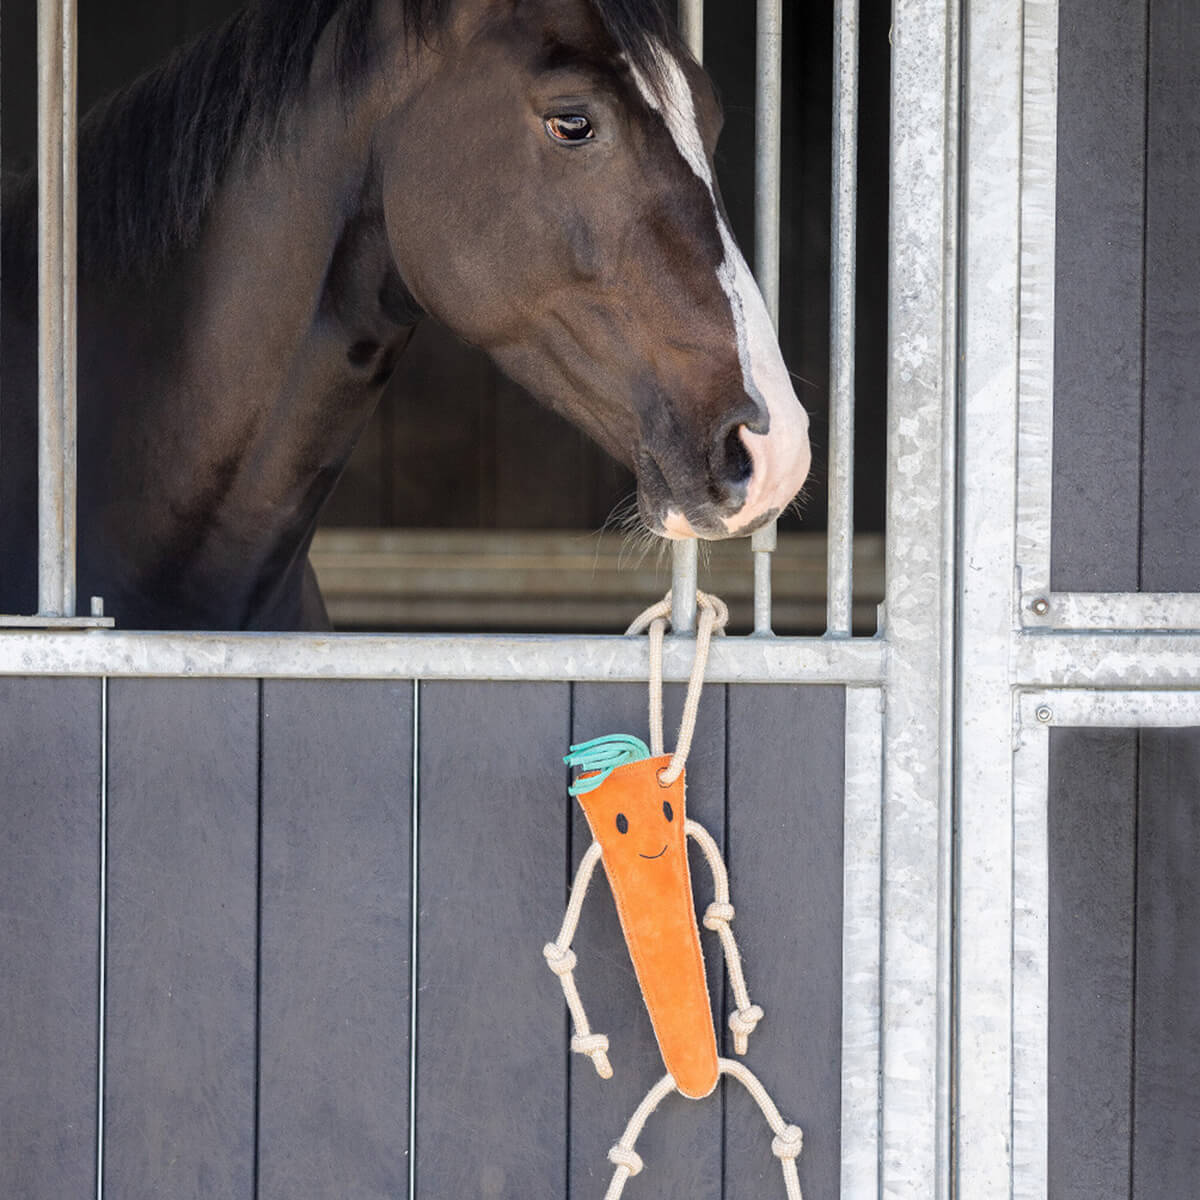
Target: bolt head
x: 1043, y: 713
x: 1040, y: 607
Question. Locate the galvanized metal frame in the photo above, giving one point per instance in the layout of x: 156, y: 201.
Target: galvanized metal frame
x: 862, y: 850
x: 918, y: 624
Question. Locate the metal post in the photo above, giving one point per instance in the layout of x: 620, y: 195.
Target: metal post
x: 767, y: 127
x: 840, y: 586
x: 685, y: 558
x: 56, y: 306
x: 691, y: 26
x: 685, y: 555
x: 919, y: 614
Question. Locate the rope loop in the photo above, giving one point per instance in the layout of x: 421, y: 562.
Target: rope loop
x: 623, y: 1156
x: 714, y: 616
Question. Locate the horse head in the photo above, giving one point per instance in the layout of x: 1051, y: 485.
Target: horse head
x: 549, y: 194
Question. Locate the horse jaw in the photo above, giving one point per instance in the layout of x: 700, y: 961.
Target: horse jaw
x: 781, y: 457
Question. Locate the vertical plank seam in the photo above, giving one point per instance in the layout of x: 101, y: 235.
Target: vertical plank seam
x: 566, y: 1016
x: 1144, y: 341
x: 258, y: 946
x: 414, y: 919
x: 728, y: 689
x: 102, y: 939
x: 1133, y: 958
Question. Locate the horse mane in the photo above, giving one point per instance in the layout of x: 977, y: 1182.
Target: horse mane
x: 152, y: 155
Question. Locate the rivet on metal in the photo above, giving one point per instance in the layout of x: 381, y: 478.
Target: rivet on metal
x: 1043, y: 714
x: 1040, y: 607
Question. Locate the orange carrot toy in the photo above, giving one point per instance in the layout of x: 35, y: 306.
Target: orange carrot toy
x: 634, y: 804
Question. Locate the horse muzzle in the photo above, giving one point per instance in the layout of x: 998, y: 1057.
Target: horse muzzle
x: 751, y: 478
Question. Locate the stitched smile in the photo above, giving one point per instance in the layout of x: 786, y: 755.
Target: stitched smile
x: 658, y: 855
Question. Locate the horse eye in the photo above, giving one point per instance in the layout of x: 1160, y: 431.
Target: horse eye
x: 570, y: 127
x: 668, y: 811
x: 622, y: 823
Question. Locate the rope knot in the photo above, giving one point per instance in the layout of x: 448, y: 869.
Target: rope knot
x: 716, y: 915
x: 623, y: 1156
x: 788, y: 1143
x: 744, y: 1021
x: 595, y: 1046
x: 589, y: 1043
x: 561, y: 960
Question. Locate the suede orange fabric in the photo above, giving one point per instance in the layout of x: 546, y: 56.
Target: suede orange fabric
x: 640, y: 827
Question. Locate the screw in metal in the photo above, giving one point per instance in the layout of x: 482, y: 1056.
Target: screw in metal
x: 1043, y: 714
x: 1040, y: 607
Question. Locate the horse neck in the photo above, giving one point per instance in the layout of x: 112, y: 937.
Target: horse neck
x: 232, y: 390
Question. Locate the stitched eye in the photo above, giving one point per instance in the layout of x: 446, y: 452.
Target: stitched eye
x: 668, y: 811
x: 570, y: 127
x: 622, y: 823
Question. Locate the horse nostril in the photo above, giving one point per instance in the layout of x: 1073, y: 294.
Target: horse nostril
x: 738, y: 466
x: 730, y: 466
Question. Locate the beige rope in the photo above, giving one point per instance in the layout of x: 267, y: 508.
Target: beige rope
x: 717, y: 917
x: 786, y: 1145
x: 560, y: 958
x: 788, y: 1140
x: 714, y: 616
x: 623, y: 1156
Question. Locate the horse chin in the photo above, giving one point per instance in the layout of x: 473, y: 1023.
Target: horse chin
x: 675, y: 527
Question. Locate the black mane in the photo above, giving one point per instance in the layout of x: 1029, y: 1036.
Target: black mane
x: 152, y: 155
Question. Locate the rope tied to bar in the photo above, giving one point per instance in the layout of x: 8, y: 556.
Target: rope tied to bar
x: 714, y: 616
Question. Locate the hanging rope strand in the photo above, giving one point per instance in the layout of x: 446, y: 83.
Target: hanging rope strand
x: 714, y: 616
x: 717, y: 917
x: 560, y: 958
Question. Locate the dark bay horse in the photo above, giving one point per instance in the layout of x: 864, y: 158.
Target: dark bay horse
x: 265, y: 218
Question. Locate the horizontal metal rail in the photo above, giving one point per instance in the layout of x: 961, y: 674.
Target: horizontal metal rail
x: 858, y: 663
x: 1118, y: 611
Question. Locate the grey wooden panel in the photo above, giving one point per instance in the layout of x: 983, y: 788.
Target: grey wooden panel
x: 1098, y: 294
x: 1171, y: 452
x: 785, y: 787
x: 493, y: 837
x: 182, y: 903
x: 682, y: 1143
x: 49, y: 921
x: 1091, y: 819
x: 1166, y: 1154
x: 335, y: 940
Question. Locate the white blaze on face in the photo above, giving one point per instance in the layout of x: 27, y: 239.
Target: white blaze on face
x: 781, y: 457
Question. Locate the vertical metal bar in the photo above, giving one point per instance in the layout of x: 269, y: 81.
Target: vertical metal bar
x: 691, y: 26
x: 685, y: 555
x: 767, y: 130
x: 918, y: 800
x: 70, y: 274
x: 56, y: 306
x: 685, y: 558
x: 840, y: 586
x: 994, y: 69
x: 1031, y: 959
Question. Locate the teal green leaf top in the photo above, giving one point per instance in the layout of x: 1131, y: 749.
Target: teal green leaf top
x: 601, y: 756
